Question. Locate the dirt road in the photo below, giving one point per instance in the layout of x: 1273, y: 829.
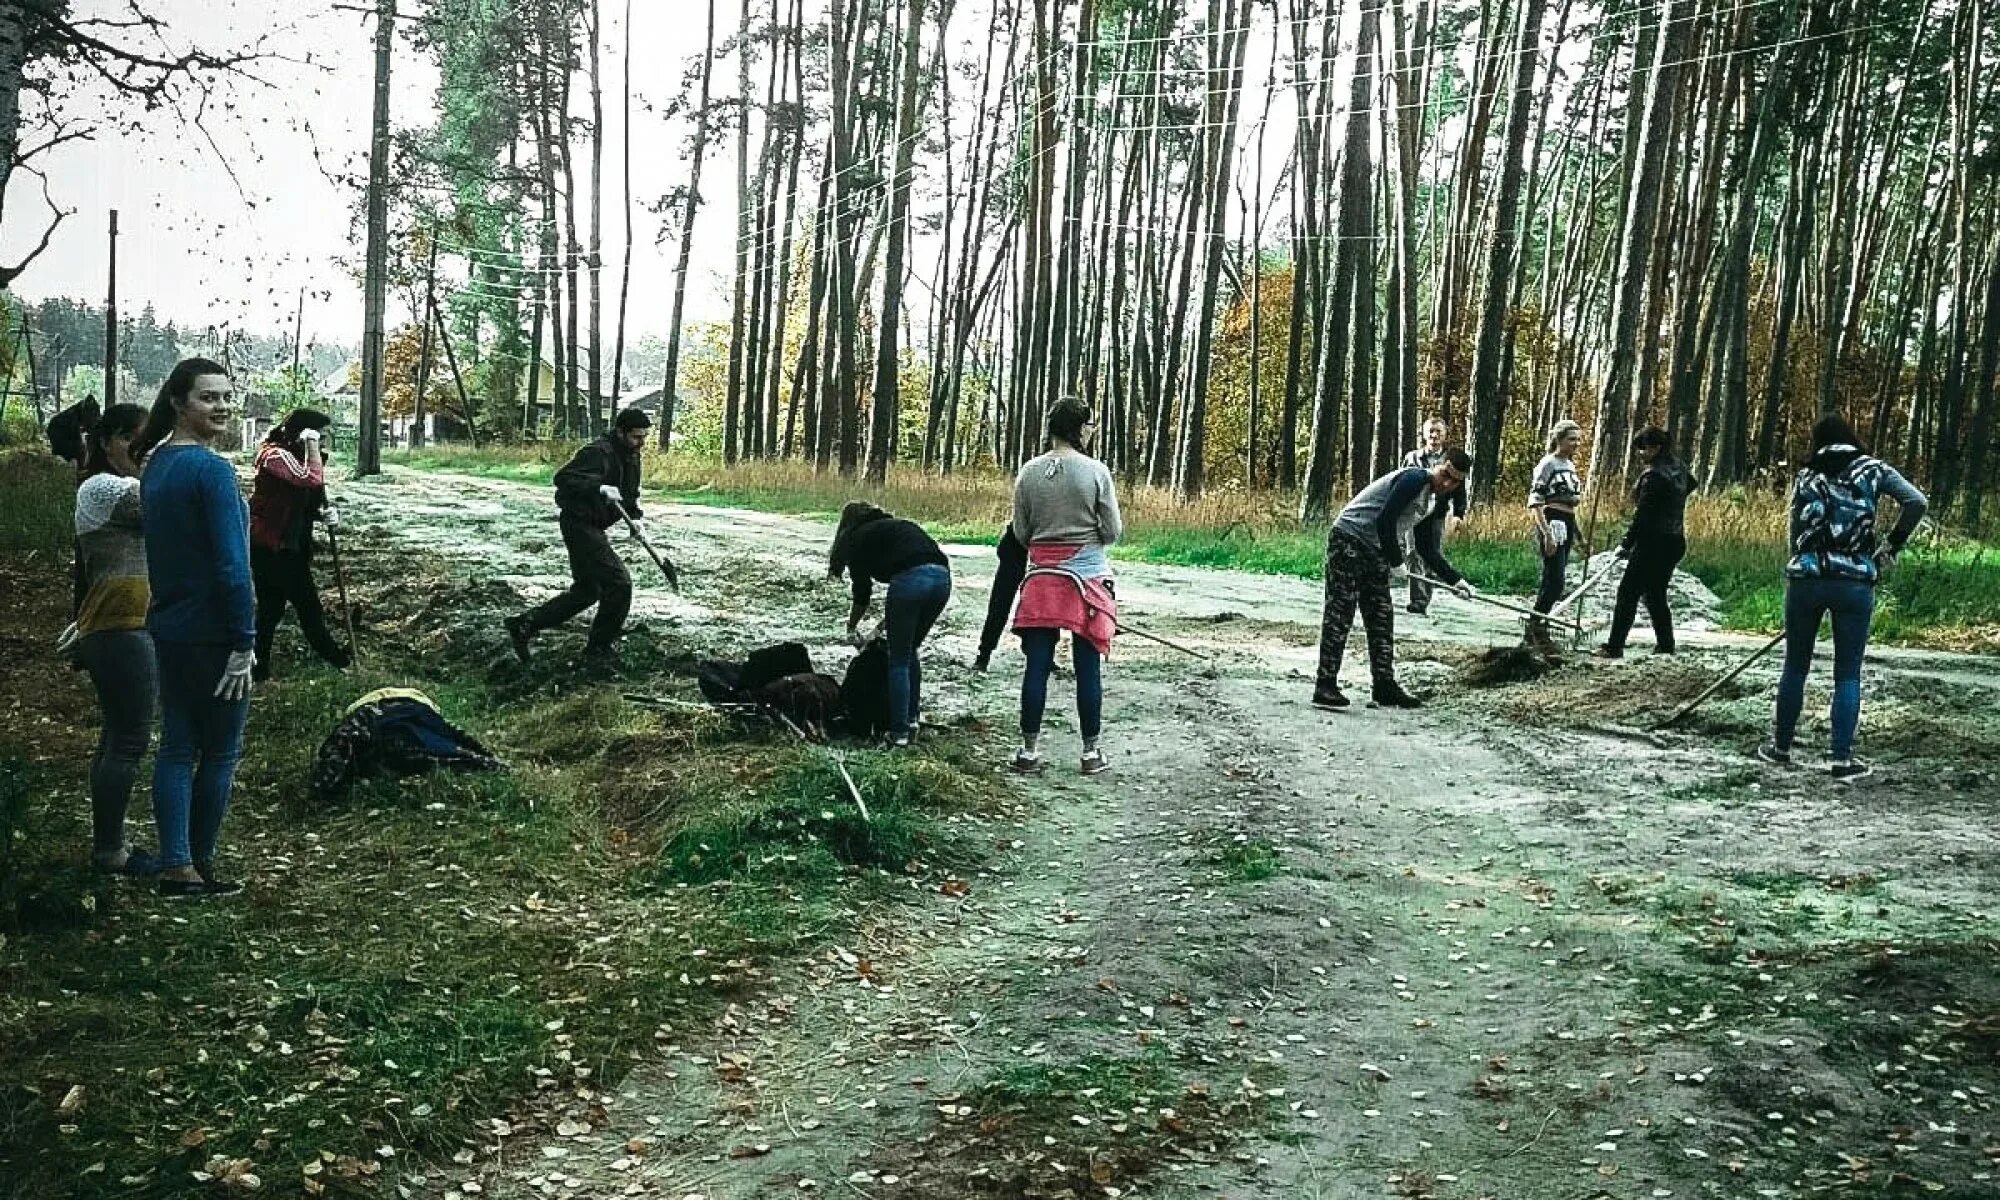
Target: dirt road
x: 1469, y: 951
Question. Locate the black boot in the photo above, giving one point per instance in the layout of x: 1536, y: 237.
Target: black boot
x: 519, y: 634
x: 1390, y: 694
x: 1329, y: 695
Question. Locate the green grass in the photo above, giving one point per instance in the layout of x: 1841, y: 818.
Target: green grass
x: 419, y: 956
x: 1945, y: 593
x: 37, y: 505
x: 1247, y: 860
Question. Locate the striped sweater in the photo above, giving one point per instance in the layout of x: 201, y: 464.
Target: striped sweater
x: 110, y: 556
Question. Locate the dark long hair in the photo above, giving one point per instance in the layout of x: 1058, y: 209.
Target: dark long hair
x: 286, y: 432
x: 852, y: 517
x: 173, y: 393
x: 1067, y: 419
x: 116, y: 421
x: 1832, y: 430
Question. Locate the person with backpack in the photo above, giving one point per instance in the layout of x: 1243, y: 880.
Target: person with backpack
x: 110, y: 630
x: 596, y: 489
x: 1552, y: 498
x: 1066, y: 514
x: 287, y: 496
x: 1000, y: 601
x: 201, y: 617
x: 1369, y: 537
x: 1653, y: 546
x: 870, y: 546
x: 1427, y: 539
x: 1836, y: 561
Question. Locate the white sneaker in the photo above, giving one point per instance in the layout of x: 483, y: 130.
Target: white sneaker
x: 1094, y: 762
x: 1026, y: 762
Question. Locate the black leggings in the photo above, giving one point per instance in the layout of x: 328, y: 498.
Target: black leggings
x: 284, y: 578
x: 1647, y: 574
x: 1555, y: 567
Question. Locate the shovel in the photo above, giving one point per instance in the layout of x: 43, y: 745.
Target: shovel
x: 661, y: 561
x: 340, y: 584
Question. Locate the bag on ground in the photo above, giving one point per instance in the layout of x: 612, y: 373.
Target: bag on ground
x: 393, y: 733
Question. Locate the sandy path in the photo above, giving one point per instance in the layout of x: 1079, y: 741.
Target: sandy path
x: 1432, y: 984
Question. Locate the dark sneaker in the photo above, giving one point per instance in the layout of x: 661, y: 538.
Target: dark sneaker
x: 1094, y: 763
x: 1847, y: 770
x: 1329, y: 696
x: 1026, y: 762
x: 1769, y: 752
x: 1415, y: 609
x: 982, y: 662
x: 519, y: 634
x: 1608, y: 651
x: 598, y: 658
x: 1392, y: 695
x: 1665, y: 650
x: 198, y: 889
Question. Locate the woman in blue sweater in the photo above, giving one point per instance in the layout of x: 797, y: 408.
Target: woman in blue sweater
x: 202, y: 618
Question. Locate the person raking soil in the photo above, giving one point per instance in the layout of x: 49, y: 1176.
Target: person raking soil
x: 1653, y: 546
x: 596, y: 489
x: 1552, y: 499
x: 1369, y: 537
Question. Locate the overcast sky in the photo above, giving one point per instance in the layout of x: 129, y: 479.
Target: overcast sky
x: 202, y: 253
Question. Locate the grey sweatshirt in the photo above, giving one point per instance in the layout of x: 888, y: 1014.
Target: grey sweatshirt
x: 1066, y: 498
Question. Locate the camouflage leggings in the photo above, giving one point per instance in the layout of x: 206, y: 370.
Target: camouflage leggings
x: 1356, y: 577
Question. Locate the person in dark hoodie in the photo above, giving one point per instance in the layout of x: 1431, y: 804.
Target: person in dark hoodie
x: 1369, y: 537
x: 870, y: 546
x: 1654, y: 544
x: 595, y: 490
x: 287, y: 496
x: 1837, y: 560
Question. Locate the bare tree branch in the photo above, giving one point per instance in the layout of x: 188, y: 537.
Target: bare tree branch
x: 9, y: 274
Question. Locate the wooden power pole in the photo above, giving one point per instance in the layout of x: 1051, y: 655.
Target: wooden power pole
x: 111, y: 321
x: 369, y: 455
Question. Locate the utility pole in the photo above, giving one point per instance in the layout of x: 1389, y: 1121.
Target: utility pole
x: 377, y: 278
x: 111, y: 321
x: 424, y: 358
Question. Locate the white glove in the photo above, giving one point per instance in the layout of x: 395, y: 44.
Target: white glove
x: 235, y: 682
x: 1886, y: 558
x: 330, y: 516
x: 855, y: 637
x: 1558, y: 534
x: 611, y: 494
x: 1465, y: 589
x: 66, y: 641
x: 638, y: 530
x: 310, y: 437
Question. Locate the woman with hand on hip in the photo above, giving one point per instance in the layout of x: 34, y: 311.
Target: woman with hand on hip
x: 1552, y: 498
x: 1066, y: 513
x: 201, y: 618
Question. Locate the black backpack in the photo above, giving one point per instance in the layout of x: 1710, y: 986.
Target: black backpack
x: 864, y: 691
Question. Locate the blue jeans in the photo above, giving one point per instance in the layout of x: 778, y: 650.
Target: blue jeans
x: 916, y: 597
x: 201, y: 738
x: 1852, y: 604
x: 1040, y: 647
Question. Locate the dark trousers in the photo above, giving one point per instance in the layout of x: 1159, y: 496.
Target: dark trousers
x: 1356, y: 577
x: 597, y: 576
x: 1647, y: 574
x: 127, y: 680
x: 1006, y: 589
x: 1851, y: 604
x: 914, y: 600
x: 284, y: 578
x: 1040, y: 647
x: 1428, y: 539
x: 1555, y: 567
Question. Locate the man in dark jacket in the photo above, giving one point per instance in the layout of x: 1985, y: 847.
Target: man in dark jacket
x: 597, y: 489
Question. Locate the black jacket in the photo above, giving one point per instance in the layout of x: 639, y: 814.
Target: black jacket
x: 881, y: 550
x: 597, y: 463
x: 1662, y: 493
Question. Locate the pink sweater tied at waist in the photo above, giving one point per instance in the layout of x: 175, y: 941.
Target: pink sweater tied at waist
x: 1053, y: 597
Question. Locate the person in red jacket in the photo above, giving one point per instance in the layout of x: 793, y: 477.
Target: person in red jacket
x: 289, y: 494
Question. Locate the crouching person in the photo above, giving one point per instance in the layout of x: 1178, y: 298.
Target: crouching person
x: 1369, y: 537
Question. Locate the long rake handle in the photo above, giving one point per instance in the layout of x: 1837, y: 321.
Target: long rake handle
x: 1482, y: 597
x: 340, y: 583
x: 1717, y: 686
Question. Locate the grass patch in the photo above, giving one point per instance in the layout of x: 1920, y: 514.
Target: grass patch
x: 1244, y: 859
x: 37, y: 505
x: 424, y: 954
x: 1945, y: 594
